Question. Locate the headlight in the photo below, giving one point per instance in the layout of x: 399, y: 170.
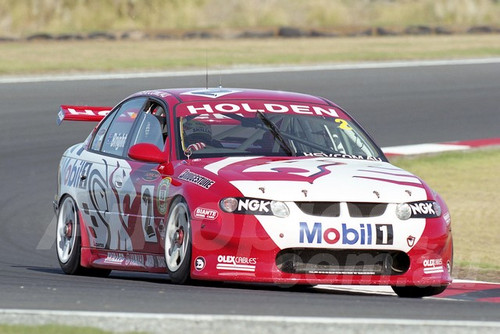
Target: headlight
x: 403, y: 211
x: 280, y: 209
x: 423, y: 209
x: 254, y: 206
x: 437, y: 208
x: 229, y: 204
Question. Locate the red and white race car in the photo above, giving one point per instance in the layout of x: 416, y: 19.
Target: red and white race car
x: 245, y: 185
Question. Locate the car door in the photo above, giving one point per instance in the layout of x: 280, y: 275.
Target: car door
x: 151, y: 190
x: 111, y: 193
x: 126, y: 198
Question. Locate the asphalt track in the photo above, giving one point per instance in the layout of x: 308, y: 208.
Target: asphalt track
x: 398, y: 106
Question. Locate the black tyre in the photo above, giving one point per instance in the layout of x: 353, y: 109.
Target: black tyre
x: 418, y: 292
x: 178, y: 242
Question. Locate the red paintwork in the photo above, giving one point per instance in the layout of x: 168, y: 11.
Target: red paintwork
x: 223, y: 234
x: 84, y: 113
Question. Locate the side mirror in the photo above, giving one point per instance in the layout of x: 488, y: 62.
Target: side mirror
x: 147, y: 152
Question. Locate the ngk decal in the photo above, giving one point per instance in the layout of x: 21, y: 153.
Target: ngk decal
x: 236, y: 263
x: 422, y: 210
x: 254, y: 206
x: 362, y: 234
x: 254, y: 107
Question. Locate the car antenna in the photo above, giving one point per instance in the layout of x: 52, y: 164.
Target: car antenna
x: 206, y: 70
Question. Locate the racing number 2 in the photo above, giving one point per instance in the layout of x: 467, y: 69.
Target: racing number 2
x: 384, y: 234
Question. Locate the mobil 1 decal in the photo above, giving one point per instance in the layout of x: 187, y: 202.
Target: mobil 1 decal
x: 354, y: 234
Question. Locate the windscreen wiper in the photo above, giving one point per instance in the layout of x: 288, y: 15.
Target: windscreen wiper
x: 276, y: 133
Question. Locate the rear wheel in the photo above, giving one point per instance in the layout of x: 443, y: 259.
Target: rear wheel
x: 68, y: 242
x: 418, y: 292
x: 178, y: 242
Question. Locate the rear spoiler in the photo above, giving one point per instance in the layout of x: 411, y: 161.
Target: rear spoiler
x: 82, y: 113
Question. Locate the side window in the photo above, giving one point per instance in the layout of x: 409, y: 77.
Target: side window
x: 101, y: 132
x: 152, y: 127
x: 117, y: 134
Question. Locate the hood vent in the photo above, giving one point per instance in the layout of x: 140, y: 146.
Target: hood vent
x: 321, y: 209
x: 332, y: 209
x: 358, y: 210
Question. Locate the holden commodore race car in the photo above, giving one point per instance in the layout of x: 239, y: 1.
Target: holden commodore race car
x: 245, y: 185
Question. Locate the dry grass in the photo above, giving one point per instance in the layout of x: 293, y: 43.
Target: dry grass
x: 469, y: 182
x: 63, y: 16
x: 148, y: 55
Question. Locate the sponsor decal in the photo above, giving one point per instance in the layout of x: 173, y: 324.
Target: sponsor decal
x: 254, y: 206
x: 423, y: 209
x: 76, y: 174
x: 433, y: 266
x: 162, y: 195
x: 60, y: 117
x: 212, y: 93
x: 236, y: 263
x: 197, y: 179
x: 134, y: 260
x: 365, y: 234
x: 118, y: 141
x: 447, y: 218
x: 199, y: 263
x: 203, y: 213
x: 88, y: 112
x: 411, y: 241
x: 154, y: 93
x: 150, y: 261
x: 114, y: 258
x: 254, y: 107
x: 340, y: 155
x: 151, y: 175
x: 160, y: 261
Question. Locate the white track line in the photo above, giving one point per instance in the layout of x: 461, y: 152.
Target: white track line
x: 422, y: 148
x: 60, y: 314
x: 246, y: 70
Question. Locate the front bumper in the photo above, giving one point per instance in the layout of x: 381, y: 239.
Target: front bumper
x: 246, y: 253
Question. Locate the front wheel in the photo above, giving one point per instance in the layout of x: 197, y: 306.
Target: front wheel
x: 178, y: 242
x: 418, y: 292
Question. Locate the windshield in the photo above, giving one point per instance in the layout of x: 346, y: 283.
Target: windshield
x: 278, y: 134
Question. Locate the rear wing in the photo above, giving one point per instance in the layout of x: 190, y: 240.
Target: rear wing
x: 82, y: 113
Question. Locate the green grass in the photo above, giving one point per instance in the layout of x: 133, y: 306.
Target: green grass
x: 468, y: 181
x: 60, y: 16
x: 153, y: 55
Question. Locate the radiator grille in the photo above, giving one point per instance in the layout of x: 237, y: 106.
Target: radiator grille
x: 342, y: 262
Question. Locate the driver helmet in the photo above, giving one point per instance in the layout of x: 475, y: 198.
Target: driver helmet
x: 196, y: 132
